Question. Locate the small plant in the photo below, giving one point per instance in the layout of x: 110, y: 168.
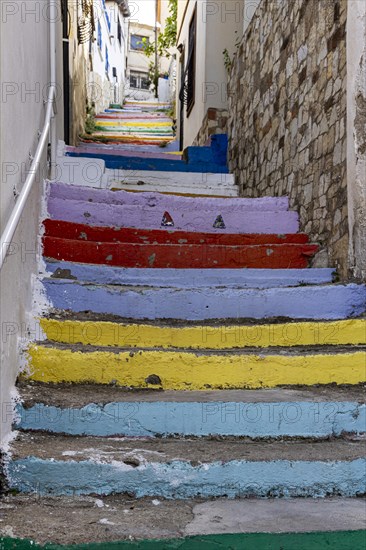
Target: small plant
x: 90, y: 124
x: 227, y: 60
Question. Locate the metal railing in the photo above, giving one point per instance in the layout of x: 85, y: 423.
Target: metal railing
x: 49, y: 127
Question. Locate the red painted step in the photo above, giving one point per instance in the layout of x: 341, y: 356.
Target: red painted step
x: 77, y: 231
x: 178, y: 256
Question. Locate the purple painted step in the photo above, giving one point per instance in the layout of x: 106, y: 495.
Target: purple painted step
x: 186, y: 220
x: 144, y: 199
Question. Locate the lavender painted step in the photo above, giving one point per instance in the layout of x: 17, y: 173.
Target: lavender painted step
x: 143, y: 199
x: 186, y: 220
x: 188, y: 278
x: 171, y: 147
x: 311, y: 302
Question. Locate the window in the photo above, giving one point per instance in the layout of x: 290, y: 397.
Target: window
x: 191, y: 69
x: 140, y: 81
x: 100, y: 41
x: 136, y: 41
x: 119, y: 32
x: 106, y: 61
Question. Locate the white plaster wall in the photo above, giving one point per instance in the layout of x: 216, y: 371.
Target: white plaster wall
x: 356, y: 134
x: 24, y: 29
x: 219, y: 27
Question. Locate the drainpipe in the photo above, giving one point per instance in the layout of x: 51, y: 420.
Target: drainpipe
x: 156, y: 52
x: 53, y: 20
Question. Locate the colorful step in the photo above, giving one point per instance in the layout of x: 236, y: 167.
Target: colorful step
x: 308, y: 302
x: 208, y: 221
x: 97, y: 332
x: 71, y: 465
x: 189, y: 278
x: 85, y: 410
x: 179, y: 256
x: 188, y: 370
x: 77, y: 231
x: 144, y: 199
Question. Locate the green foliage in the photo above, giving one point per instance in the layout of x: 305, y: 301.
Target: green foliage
x: 166, y: 39
x: 90, y: 124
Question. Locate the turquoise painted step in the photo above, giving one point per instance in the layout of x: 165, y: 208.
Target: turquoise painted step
x: 62, y: 465
x: 255, y: 414
x: 309, y: 302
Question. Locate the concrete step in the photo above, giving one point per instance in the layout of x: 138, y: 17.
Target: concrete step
x: 79, y: 171
x: 124, y: 162
x: 78, y: 231
x: 189, y: 278
x: 203, y: 303
x: 89, y: 329
x: 196, y: 370
x: 183, y: 469
x: 108, y: 411
x: 209, y: 221
x: 96, y: 150
x: 179, y: 256
x: 145, y: 180
x: 123, y: 522
x: 151, y: 200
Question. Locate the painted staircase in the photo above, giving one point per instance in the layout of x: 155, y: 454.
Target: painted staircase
x: 188, y: 352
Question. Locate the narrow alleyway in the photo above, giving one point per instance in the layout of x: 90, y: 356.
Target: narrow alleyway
x: 188, y: 352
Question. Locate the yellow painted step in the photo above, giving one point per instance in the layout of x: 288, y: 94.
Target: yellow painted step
x: 189, y: 371
x: 101, y: 122
x: 100, y: 333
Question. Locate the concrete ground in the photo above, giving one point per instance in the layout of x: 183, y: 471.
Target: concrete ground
x: 75, y: 520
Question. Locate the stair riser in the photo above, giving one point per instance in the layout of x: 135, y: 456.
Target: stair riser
x: 162, y: 165
x: 162, y: 419
x: 143, y: 199
x: 190, y: 371
x: 180, y: 480
x: 83, y: 232
x: 105, y: 334
x: 151, y: 218
x: 96, y: 151
x: 179, y: 256
x: 196, y: 278
x: 327, y: 302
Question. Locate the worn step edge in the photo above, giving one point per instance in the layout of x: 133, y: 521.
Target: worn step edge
x: 64, y: 465
x: 151, y: 218
x: 190, y: 371
x: 108, y: 234
x: 308, y: 302
x: 179, y: 256
x: 104, y: 333
x: 95, y: 411
x: 243, y: 278
x: 65, y: 192
x: 261, y: 524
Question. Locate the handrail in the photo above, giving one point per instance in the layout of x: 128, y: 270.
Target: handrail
x: 17, y: 211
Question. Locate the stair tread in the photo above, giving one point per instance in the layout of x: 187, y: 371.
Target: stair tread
x: 79, y: 395
x: 200, y: 451
x: 281, y: 351
x: 146, y: 518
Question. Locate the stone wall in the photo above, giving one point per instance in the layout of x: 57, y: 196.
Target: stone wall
x: 287, y: 116
x: 215, y: 122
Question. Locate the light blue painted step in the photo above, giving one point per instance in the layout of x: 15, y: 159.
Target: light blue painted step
x: 188, y: 278
x: 308, y: 302
x: 243, y: 413
x: 181, y: 469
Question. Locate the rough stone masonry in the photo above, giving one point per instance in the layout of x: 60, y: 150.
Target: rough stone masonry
x: 287, y: 116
